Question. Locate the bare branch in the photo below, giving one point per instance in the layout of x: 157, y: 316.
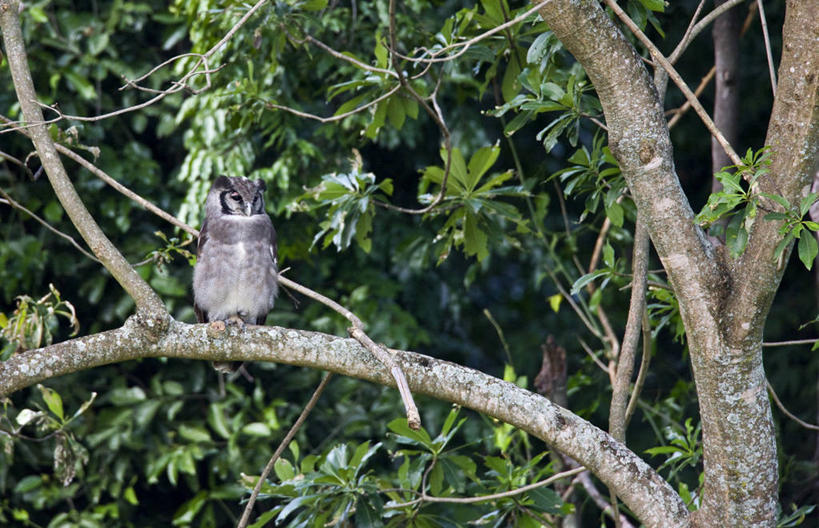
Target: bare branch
x: 494, y: 496
x: 692, y: 32
x: 643, y: 372
x: 631, y: 337
x: 177, y: 85
x: 8, y: 199
x: 149, y: 305
x: 768, y: 54
x: 644, y: 491
x: 99, y: 173
x: 279, y: 450
x: 465, y: 45
x: 787, y: 413
x: 689, y: 95
x: 338, y: 117
x: 357, y: 332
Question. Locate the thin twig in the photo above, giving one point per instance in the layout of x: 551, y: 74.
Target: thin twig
x: 768, y: 54
x: 678, y: 113
x: 8, y: 199
x: 790, y: 343
x: 177, y: 86
x: 787, y: 413
x: 597, y: 497
x: 12, y: 159
x: 465, y: 45
x: 631, y: 335
x: 588, y: 351
x: 494, y: 496
x: 687, y: 36
x: 643, y: 372
x: 701, y: 25
x: 282, y: 446
x: 357, y: 332
x: 338, y: 55
x: 99, y: 173
x: 338, y: 117
x: 434, y: 112
x: 672, y: 73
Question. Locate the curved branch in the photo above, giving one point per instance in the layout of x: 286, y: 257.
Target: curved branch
x: 148, y: 303
x: 639, y: 486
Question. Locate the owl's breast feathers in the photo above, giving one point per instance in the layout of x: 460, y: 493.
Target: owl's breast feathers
x: 236, y: 268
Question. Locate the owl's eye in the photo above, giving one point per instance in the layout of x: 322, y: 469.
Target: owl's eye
x: 235, y: 196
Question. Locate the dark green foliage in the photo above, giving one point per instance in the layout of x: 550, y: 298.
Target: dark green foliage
x: 481, y: 278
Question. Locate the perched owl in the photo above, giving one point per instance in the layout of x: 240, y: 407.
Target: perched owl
x: 236, y: 262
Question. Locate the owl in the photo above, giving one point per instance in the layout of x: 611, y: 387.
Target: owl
x: 235, y: 277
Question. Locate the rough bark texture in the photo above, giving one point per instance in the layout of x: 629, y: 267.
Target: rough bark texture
x: 640, y: 487
x: 723, y: 304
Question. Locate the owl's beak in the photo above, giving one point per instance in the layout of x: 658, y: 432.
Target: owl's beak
x: 247, y: 209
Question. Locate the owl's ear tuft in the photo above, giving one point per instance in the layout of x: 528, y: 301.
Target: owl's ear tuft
x: 261, y: 185
x: 222, y: 182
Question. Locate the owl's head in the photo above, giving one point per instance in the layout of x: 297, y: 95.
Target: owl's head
x: 236, y: 196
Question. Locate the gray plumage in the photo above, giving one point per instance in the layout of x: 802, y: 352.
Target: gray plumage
x: 237, y: 262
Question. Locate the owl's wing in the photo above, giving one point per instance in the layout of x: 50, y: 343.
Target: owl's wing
x: 201, y: 316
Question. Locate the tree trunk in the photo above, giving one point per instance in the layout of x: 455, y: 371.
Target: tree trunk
x: 724, y: 303
x: 726, y: 96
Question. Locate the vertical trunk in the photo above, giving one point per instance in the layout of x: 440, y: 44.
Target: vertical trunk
x: 739, y: 445
x: 726, y: 97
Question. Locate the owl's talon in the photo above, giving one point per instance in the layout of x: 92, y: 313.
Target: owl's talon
x: 216, y: 328
x: 235, y: 320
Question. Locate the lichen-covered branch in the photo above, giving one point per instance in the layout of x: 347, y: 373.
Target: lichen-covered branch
x: 639, y: 486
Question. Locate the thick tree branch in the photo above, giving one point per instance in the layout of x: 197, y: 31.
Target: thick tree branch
x: 638, y: 137
x: 793, y: 137
x: 149, y: 305
x: 639, y: 486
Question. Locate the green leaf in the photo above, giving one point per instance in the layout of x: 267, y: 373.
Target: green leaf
x: 608, y: 255
x: 381, y: 53
x: 546, y: 499
x: 399, y: 426
x: 778, y: 199
x: 53, y: 401
x: 256, y: 429
x: 185, y: 514
x: 396, y: 112
x: 194, y: 433
x: 554, y: 302
x: 28, y: 483
x: 585, y: 279
x: 313, y: 5
x: 127, y: 396
x: 81, y: 85
x: 806, y: 203
x: 479, y: 163
x: 615, y: 213
x: 808, y: 249
x: 654, y: 5
x: 216, y: 420
x: 351, y: 104
x: 284, y: 469
x: 366, y: 516
x: 457, y: 168
x: 475, y: 240
x: 378, y: 120
x: 510, y: 86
